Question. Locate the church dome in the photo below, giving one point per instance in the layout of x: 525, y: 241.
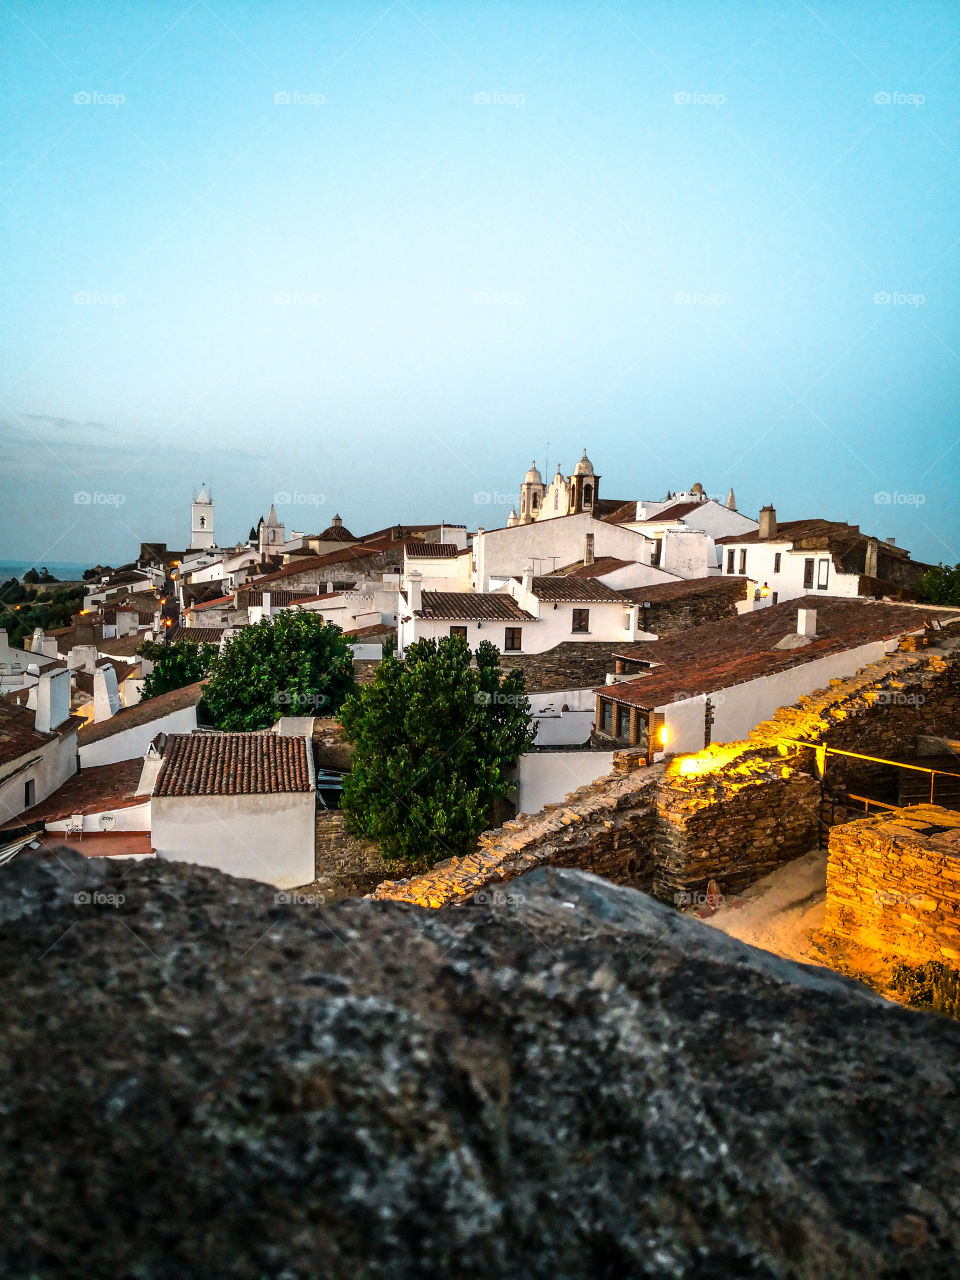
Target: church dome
x: 584, y: 467
x: 533, y: 476
x: 337, y: 532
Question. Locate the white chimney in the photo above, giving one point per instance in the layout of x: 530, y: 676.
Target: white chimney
x: 148, y: 774
x: 807, y: 622
x: 266, y: 605
x: 527, y: 580
x: 106, y: 695
x: 414, y: 590
x: 53, y: 700
x: 126, y: 622
x: 83, y: 657
x: 588, y: 544
x: 483, y: 582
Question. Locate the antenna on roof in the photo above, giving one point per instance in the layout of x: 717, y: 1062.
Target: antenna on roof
x: 546, y: 461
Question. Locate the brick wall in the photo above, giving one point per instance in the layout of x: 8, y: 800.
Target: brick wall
x: 893, y: 883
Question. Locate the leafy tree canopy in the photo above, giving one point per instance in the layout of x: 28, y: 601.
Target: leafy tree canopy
x: 295, y: 664
x: 434, y: 737
x: 940, y: 585
x: 175, y: 665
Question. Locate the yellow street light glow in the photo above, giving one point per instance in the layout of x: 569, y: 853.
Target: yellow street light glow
x: 664, y: 734
x: 764, y: 590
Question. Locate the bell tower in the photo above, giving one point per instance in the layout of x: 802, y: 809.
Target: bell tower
x: 201, y: 522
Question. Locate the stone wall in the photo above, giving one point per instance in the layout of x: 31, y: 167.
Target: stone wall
x: 667, y: 617
x: 731, y: 813
x: 605, y: 827
x: 732, y: 826
x: 893, y: 883
x: 346, y: 867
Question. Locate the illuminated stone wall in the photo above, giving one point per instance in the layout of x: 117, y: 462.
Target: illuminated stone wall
x: 893, y: 883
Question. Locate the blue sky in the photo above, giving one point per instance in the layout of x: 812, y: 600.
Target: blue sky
x: 380, y: 255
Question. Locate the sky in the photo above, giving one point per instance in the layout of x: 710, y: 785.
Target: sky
x: 372, y: 258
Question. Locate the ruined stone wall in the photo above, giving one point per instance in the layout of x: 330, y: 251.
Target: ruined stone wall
x: 667, y: 617
x: 346, y: 867
x: 605, y: 827
x: 733, y: 826
x: 893, y: 883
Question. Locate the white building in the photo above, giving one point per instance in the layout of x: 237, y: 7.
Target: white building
x: 718, y: 681
x: 563, y: 496
x: 549, y: 545
x: 244, y: 803
x: 201, y: 521
x: 38, y: 750
x: 128, y: 734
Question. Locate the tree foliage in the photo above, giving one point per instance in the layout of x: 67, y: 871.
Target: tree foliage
x: 434, y: 738
x: 23, y: 608
x: 940, y: 585
x: 295, y: 664
x: 175, y: 665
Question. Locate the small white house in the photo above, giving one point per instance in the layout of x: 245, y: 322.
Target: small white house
x: 38, y: 749
x: 244, y: 803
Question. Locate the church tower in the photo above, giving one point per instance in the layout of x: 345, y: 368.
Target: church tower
x: 531, y: 495
x: 272, y: 533
x: 201, y: 522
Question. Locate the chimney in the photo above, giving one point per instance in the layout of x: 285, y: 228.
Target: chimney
x: 870, y: 558
x: 483, y: 582
x: 414, y: 590
x: 807, y: 623
x: 768, y: 523
x: 106, y: 695
x: 83, y: 657
x: 892, y: 542
x: 53, y: 700
x: 588, y: 543
x: 266, y: 604
x: 527, y: 580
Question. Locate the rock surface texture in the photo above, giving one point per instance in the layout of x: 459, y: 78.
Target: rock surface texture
x: 569, y: 1080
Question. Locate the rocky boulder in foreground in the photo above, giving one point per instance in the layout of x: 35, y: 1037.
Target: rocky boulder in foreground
x: 570, y: 1081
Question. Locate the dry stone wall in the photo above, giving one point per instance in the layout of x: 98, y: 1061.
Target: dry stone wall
x: 893, y: 883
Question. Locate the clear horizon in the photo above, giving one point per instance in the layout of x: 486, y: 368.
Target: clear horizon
x: 377, y: 258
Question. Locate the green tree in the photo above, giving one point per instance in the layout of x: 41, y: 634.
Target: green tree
x: 940, y: 585
x: 434, y: 737
x: 294, y: 664
x: 175, y: 665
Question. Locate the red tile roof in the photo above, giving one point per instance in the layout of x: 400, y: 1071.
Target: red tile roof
x: 432, y: 550
x: 197, y: 635
x: 676, y: 510
x: 18, y: 733
x: 661, y: 591
x: 233, y: 764
x: 471, y: 606
x: 596, y: 569
x: 100, y: 789
x: 576, y: 590
x: 374, y: 629
x: 164, y: 704
x: 733, y: 651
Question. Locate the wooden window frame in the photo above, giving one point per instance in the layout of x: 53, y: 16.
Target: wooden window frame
x: 580, y: 616
x: 511, y: 633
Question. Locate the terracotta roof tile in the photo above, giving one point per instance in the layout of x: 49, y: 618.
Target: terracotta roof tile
x: 102, y: 788
x: 718, y: 655
x: 661, y: 591
x: 574, y: 589
x: 470, y: 606
x: 18, y: 732
x: 232, y: 764
x: 432, y: 550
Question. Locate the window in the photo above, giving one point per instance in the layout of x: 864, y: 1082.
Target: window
x: 459, y: 633
x: 775, y: 597
x: 657, y: 551
x: 623, y: 723
x: 808, y: 574
x: 536, y: 501
x: 581, y: 620
x: 203, y: 522
x: 776, y: 563
x: 587, y: 495
x: 730, y: 555
x: 823, y: 574
x: 29, y: 794
x: 511, y: 639
x: 606, y: 717
x: 743, y: 559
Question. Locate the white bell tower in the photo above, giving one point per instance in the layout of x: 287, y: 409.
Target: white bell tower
x: 201, y: 522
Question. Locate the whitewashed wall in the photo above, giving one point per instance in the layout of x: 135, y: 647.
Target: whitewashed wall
x: 545, y: 777
x: 129, y: 744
